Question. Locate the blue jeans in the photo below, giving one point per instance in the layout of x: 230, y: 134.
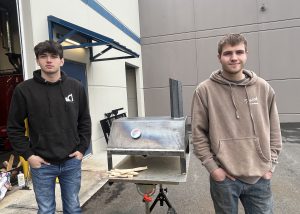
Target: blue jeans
x: 43, y: 179
x: 255, y: 198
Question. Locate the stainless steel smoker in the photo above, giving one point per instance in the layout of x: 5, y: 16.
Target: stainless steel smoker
x: 149, y: 136
x: 160, y: 143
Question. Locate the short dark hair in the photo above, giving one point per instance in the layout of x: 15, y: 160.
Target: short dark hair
x: 48, y: 46
x: 231, y: 39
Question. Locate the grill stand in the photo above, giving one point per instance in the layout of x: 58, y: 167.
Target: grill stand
x: 146, y: 191
x: 161, y: 171
x: 162, y: 197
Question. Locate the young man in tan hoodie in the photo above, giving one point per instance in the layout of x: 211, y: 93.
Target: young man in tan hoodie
x: 236, y: 132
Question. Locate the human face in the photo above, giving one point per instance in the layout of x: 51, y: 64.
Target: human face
x: 233, y: 59
x: 50, y: 63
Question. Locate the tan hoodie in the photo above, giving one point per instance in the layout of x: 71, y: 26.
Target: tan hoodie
x: 236, y: 126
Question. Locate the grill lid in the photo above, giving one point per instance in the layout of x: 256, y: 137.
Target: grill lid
x: 148, y: 133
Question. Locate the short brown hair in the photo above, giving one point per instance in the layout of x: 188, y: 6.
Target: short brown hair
x: 48, y: 46
x: 231, y: 39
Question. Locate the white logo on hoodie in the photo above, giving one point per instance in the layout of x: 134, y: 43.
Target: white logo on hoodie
x: 69, y: 98
x: 252, y: 101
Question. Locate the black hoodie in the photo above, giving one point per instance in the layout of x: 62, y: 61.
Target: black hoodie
x: 58, y: 118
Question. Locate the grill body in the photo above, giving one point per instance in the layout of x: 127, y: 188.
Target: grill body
x: 149, y: 136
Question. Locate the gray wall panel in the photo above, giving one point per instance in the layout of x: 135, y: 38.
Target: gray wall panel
x: 159, y: 17
x: 253, y: 52
x: 168, y: 38
x: 187, y: 95
x: 154, y: 70
x: 219, y: 13
x: 278, y: 10
x: 179, y: 35
x: 286, y: 100
x: 279, y: 53
x: 175, y: 60
x: 157, y: 102
x: 222, y: 31
x: 289, y: 118
x: 207, y: 57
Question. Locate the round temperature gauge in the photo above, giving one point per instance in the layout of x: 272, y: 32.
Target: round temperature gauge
x: 135, y: 133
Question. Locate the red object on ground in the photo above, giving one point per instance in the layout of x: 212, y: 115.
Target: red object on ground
x: 147, y: 198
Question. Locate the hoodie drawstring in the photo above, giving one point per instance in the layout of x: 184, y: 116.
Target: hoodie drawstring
x: 250, y: 111
x: 234, y: 104
x: 62, y: 93
x: 49, y: 103
x: 249, y: 106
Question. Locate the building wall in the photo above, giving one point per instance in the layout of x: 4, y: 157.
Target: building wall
x: 107, y: 79
x: 179, y: 40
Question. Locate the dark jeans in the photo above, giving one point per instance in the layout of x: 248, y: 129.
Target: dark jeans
x: 256, y: 198
x: 43, y: 179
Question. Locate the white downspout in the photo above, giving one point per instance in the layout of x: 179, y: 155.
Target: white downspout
x: 22, y: 36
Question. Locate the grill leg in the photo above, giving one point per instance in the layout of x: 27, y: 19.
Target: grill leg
x: 109, y: 161
x: 161, y: 197
x: 183, y: 164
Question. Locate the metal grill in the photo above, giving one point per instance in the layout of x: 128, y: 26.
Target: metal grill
x: 149, y: 136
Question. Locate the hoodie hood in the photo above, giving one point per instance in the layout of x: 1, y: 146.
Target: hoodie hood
x: 217, y: 76
x: 252, y: 78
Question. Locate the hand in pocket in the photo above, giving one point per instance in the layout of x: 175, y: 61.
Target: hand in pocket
x: 220, y: 175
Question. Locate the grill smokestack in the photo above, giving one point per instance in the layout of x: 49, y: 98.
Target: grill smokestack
x: 176, y: 98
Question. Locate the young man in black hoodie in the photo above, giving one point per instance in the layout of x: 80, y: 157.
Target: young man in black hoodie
x: 59, y: 126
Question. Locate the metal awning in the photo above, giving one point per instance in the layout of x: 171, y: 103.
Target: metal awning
x: 62, y: 31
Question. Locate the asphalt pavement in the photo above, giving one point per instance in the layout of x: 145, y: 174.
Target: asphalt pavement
x: 194, y: 197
